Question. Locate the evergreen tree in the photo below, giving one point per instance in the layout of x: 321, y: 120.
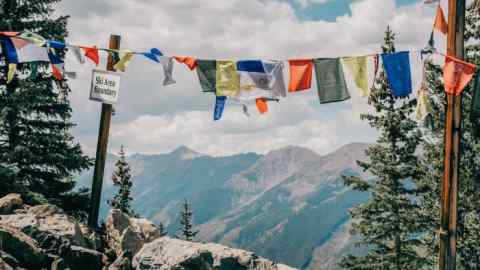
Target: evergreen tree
x: 468, y: 233
x: 38, y: 155
x: 186, y: 222
x: 121, y: 178
x: 389, y: 222
x: 162, y: 230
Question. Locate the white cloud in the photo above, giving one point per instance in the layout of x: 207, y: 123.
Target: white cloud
x: 152, y: 118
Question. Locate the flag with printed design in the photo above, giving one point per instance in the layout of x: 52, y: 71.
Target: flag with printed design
x: 301, y: 71
x: 228, y: 81
x: 440, y: 22
x: 22, y: 51
x: 457, y: 74
x: 358, y: 68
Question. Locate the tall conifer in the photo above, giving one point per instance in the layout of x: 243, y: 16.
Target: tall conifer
x: 38, y: 155
x: 388, y: 223
x: 122, y: 179
x: 186, y: 222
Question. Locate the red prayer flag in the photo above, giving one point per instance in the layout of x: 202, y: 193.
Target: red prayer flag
x: 57, y: 73
x: 92, y: 54
x: 440, y: 22
x: 262, y: 105
x: 9, y: 34
x: 189, y: 61
x: 300, y: 75
x: 457, y: 74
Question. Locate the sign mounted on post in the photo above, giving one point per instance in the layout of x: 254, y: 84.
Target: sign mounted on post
x: 105, y: 86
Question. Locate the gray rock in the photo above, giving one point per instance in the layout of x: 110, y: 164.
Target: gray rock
x: 129, y: 234
x: 4, y: 265
x: 23, y: 248
x: 123, y: 262
x: 79, y: 258
x: 166, y: 253
x: 10, y: 203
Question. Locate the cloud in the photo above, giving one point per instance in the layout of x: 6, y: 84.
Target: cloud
x: 153, y: 118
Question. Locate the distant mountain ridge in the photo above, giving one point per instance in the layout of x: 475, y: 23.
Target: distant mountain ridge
x: 284, y: 205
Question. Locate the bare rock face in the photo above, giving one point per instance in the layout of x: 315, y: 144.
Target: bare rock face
x: 166, y: 253
x: 129, y: 234
x: 24, y: 249
x: 10, y: 203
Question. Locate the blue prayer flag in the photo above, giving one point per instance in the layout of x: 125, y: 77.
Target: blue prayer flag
x: 397, y: 67
x: 219, y: 106
x: 250, y: 66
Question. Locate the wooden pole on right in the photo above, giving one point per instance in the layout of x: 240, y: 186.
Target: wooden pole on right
x: 102, y: 144
x: 453, y: 119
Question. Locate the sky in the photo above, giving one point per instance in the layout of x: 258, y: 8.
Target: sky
x: 151, y: 118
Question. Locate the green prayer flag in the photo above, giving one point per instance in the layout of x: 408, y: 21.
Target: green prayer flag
x: 207, y: 74
x: 330, y: 80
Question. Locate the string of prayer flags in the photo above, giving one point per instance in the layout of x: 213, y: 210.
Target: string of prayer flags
x: 153, y: 54
x: 219, y: 106
x: 301, y: 71
x: 440, y: 22
x: 228, y: 80
x: 167, y: 65
x: 124, y: 61
x: 457, y: 74
x: 207, y: 74
x: 22, y: 51
x: 92, y: 54
x: 358, y: 68
x: 397, y: 67
x: 262, y: 105
x: 190, y: 62
x: 330, y: 80
x: 274, y: 69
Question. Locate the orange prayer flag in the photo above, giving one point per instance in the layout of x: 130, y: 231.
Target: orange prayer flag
x: 440, y: 22
x: 9, y: 33
x: 300, y: 75
x: 92, y: 54
x: 189, y: 61
x: 262, y: 105
x: 457, y: 74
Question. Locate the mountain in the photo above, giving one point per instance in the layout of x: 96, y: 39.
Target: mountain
x: 289, y: 205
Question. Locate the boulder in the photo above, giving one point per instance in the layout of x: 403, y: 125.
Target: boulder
x: 4, y: 265
x: 166, y: 253
x: 79, y: 258
x: 129, y: 234
x: 51, y: 220
x: 24, y: 249
x: 123, y: 262
x: 10, y: 203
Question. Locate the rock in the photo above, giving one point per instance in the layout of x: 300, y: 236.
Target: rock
x: 24, y: 249
x: 166, y: 253
x: 123, y: 262
x: 49, y: 219
x: 10, y: 203
x: 4, y: 265
x: 79, y: 258
x: 129, y: 234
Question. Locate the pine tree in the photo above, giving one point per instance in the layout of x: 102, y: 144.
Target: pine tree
x: 186, y: 222
x: 468, y: 234
x: 38, y: 155
x: 162, y: 230
x: 388, y: 223
x: 121, y: 178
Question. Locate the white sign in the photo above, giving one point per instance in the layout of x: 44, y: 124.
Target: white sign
x: 105, y: 86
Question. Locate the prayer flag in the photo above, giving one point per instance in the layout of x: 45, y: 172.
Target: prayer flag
x: 228, y: 81
x: 34, y: 38
x: 300, y: 75
x: 21, y: 51
x: 189, y: 61
x: 57, y: 65
x: 456, y: 75
x: 12, y: 67
x: 274, y: 69
x: 423, y: 105
x: 124, y: 61
x: 262, y: 105
x: 92, y: 54
x: 254, y: 80
x: 9, y: 33
x: 207, y: 74
x: 56, y: 44
x: 78, y: 54
x: 219, y: 106
x: 153, y: 54
x: 440, y: 22
x: 167, y: 65
x: 358, y: 68
x: 397, y: 67
x: 330, y: 80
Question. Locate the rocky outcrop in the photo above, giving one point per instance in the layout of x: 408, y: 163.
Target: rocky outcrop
x: 10, y: 203
x: 167, y: 253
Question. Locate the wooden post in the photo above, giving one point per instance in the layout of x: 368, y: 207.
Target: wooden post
x: 453, y: 119
x: 102, y: 146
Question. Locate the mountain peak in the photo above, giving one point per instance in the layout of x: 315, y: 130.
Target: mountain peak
x: 183, y: 152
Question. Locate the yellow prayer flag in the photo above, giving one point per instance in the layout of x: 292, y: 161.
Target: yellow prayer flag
x: 358, y: 68
x: 423, y: 105
x: 124, y: 61
x: 11, y: 71
x: 228, y: 80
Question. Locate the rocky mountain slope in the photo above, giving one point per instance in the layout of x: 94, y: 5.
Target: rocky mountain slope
x: 285, y: 205
x: 44, y: 237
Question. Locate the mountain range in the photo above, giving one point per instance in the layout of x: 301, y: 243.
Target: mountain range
x: 289, y: 205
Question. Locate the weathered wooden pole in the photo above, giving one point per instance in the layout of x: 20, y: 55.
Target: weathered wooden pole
x: 102, y: 145
x: 453, y: 119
